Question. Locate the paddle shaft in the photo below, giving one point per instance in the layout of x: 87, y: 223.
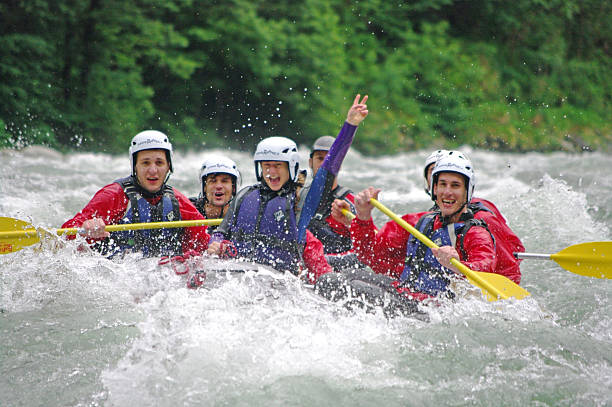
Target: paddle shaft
x: 473, y: 275
x: 115, y: 228
x: 349, y: 215
x: 537, y: 256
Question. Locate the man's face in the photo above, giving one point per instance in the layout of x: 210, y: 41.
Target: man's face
x: 151, y: 169
x: 219, y: 189
x: 275, y: 174
x: 316, y: 160
x: 450, y: 192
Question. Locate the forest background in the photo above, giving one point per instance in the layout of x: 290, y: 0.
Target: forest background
x: 505, y: 75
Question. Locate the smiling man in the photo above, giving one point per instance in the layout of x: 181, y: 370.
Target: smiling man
x: 219, y: 180
x: 142, y: 197
x: 506, y: 241
x: 407, y: 266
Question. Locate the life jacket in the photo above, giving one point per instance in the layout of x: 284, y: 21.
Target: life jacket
x: 489, y: 207
x: 200, y: 204
x: 151, y: 242
x: 318, y: 226
x: 264, y: 228
x: 506, y: 241
x: 422, y: 271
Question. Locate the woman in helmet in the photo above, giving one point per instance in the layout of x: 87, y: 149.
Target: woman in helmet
x: 411, y: 268
x: 220, y: 179
x: 144, y: 196
x: 261, y: 221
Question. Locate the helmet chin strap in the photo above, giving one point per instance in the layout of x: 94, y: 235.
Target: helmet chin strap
x: 447, y: 219
x: 221, y: 209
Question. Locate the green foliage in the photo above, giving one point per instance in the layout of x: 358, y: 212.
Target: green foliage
x: 5, y: 137
x: 520, y: 75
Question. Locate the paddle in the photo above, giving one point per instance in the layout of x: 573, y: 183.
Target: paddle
x: 592, y: 259
x: 494, y: 286
x: 330, y: 167
x: 16, y: 234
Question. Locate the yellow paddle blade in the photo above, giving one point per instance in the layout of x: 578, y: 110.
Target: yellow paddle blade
x: 16, y: 234
x: 592, y: 259
x: 494, y: 286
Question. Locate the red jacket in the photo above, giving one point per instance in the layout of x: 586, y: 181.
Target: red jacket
x: 385, y: 251
x: 337, y: 227
x: 506, y: 241
x: 110, y: 204
x: 314, y: 258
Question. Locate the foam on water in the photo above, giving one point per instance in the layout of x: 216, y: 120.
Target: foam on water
x: 555, y: 199
x: 238, y: 341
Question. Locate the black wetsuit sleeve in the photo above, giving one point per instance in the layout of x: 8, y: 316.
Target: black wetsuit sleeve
x: 332, y: 241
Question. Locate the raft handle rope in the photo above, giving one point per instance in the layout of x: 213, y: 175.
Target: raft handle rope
x: 175, y: 260
x: 228, y: 249
x: 197, y: 279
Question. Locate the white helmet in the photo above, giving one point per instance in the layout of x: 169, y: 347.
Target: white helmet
x: 219, y: 165
x: 431, y: 159
x: 277, y: 149
x: 455, y: 161
x: 150, y: 140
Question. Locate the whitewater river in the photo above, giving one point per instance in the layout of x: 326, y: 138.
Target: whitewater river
x: 78, y: 329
